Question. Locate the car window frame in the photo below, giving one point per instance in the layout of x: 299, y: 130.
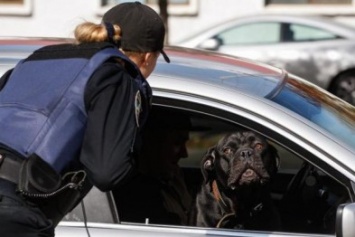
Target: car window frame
x: 262, y: 129
x: 193, y: 106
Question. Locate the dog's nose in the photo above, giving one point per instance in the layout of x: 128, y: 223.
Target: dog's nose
x: 246, y: 154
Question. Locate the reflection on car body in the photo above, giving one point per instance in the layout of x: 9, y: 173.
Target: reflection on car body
x: 315, y: 48
x: 313, y: 131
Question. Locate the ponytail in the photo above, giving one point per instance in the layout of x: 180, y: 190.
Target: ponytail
x: 88, y: 32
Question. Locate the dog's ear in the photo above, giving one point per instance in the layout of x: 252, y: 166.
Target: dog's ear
x: 207, y: 164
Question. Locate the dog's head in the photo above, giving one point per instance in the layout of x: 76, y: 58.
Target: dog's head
x: 240, y: 158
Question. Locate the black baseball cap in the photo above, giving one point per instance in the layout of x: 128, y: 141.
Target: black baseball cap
x: 142, y: 28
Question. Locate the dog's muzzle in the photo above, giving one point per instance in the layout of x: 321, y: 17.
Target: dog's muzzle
x: 248, y: 168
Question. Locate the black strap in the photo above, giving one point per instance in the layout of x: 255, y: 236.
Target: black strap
x: 110, y: 32
x: 9, y: 168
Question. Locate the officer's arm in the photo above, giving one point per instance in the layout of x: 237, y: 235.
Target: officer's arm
x: 111, y: 127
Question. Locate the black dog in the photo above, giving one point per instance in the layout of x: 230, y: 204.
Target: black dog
x: 235, y: 193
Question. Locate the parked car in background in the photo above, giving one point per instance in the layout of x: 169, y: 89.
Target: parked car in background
x: 316, y: 48
x: 313, y: 131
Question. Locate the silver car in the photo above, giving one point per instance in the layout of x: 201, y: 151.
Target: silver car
x: 313, y: 131
x: 315, y: 48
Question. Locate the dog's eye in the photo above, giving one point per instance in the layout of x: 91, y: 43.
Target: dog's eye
x: 227, y: 151
x: 258, y: 146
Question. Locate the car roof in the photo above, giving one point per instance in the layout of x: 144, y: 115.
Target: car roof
x: 27, y: 44
x: 13, y: 49
x: 223, y: 70
x: 311, y: 20
x: 219, y: 70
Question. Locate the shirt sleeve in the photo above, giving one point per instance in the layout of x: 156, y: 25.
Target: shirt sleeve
x: 111, y: 126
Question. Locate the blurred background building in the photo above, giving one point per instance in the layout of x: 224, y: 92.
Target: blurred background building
x: 57, y: 18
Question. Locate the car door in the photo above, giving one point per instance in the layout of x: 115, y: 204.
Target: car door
x: 96, y: 207
x: 304, y: 182
x: 307, y: 190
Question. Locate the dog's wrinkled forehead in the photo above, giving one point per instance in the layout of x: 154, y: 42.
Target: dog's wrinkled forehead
x: 239, y: 139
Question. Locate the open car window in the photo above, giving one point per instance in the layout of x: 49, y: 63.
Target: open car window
x: 305, y: 190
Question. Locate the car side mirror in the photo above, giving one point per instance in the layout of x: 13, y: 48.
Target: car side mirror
x: 345, y: 220
x: 210, y: 44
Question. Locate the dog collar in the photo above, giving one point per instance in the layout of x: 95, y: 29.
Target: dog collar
x: 217, y: 194
x: 229, y: 213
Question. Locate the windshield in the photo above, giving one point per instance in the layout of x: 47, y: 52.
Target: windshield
x: 323, y: 109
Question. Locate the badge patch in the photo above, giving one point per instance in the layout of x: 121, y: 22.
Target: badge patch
x: 138, y: 106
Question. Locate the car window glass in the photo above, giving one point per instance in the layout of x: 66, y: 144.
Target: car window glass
x: 97, y: 207
x: 307, y: 33
x: 255, y: 33
x: 76, y: 215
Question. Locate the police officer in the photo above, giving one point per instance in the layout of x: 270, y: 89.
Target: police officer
x: 73, y: 106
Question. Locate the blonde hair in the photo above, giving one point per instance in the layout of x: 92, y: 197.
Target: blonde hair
x: 89, y: 32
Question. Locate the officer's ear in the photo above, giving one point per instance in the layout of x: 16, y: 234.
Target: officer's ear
x: 147, y: 57
x: 148, y: 63
x: 150, y: 57
x: 140, y: 59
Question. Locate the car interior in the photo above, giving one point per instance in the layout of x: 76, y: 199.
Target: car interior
x: 306, y: 196
x: 306, y: 191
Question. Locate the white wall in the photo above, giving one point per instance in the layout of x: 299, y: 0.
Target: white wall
x: 210, y: 13
x: 58, y: 18
x: 55, y: 18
